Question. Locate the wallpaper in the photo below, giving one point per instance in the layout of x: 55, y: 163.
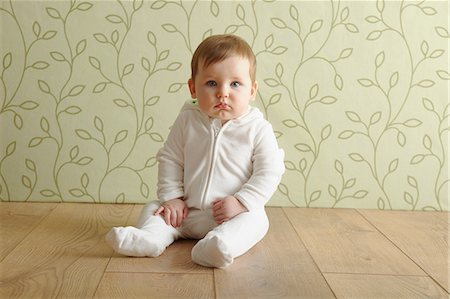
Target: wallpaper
x: 356, y: 91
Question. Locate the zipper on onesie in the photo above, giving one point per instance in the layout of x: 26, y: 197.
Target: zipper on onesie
x: 216, y: 127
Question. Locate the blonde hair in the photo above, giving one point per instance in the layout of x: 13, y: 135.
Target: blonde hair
x: 219, y: 47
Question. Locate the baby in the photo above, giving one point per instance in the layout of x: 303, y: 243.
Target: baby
x: 219, y: 166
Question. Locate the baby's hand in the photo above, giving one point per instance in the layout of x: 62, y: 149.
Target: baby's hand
x: 174, y: 211
x: 227, y: 208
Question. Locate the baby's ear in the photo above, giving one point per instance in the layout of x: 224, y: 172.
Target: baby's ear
x: 191, y: 85
x: 254, y: 90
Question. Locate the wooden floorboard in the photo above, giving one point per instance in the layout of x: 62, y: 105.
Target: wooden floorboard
x: 342, y: 241
x: 153, y: 285
x: 423, y: 236
x: 58, y: 251
x: 384, y: 286
x: 278, y: 267
x: 65, y: 256
x: 17, y: 220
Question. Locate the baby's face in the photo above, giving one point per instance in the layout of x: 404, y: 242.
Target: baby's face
x: 224, y: 89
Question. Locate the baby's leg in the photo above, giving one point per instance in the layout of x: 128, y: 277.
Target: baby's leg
x: 231, y: 239
x: 150, y: 238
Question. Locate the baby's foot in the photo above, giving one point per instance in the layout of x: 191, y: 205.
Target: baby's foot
x: 131, y: 241
x: 211, y: 252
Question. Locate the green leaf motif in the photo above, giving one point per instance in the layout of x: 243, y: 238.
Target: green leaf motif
x: 379, y: 60
x: 346, y: 134
x: 121, y: 103
x: 426, y: 83
x: 156, y: 137
x: 48, y: 193
x: 159, y: 4
x: 83, y: 134
x: 356, y: 157
x: 7, y: 60
x: 214, y: 8
x: 73, y: 110
x: 293, y: 11
x: 372, y: 19
x: 274, y: 99
x: 120, y: 198
x: 128, y: 69
x: 428, y: 104
x: 351, y: 28
x: 429, y: 11
x: 412, y: 123
x: 279, y: 23
x: 353, y: 116
x: 98, y: 123
x: 175, y: 87
x: 268, y: 42
x: 35, y: 141
x: 316, y: 26
x: 374, y: 35
x: 76, y: 90
x: 144, y: 190
x: 43, y: 86
x: 443, y: 74
x: 101, y: 38
x: 169, y: 28
x: 84, y: 6
x: 290, y: 123
x: 326, y: 132
x: 283, y: 189
x: 76, y: 192
x: 81, y: 46
x: 338, y: 82
x: 152, y: 101
x: 84, y: 161
x: 417, y: 159
x: 137, y: 4
x: 121, y: 136
x: 52, y: 12
x: 10, y: 149
x: 240, y: 12
x: 26, y: 182
x: 30, y: 165
x: 29, y: 105
x: 85, y: 180
x: 115, y: 19
x: 36, y: 29
x: 303, y: 147
x: 174, y: 66
x: 99, y: 87
x: 74, y: 152
x: 18, y: 121
x: 45, y: 126
x: 40, y: 65
x: 58, y: 56
x: 366, y: 82
x: 442, y: 32
x: 94, y: 62
x: 49, y: 35
x: 315, y: 196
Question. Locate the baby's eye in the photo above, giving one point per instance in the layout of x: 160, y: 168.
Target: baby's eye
x: 211, y: 83
x: 235, y: 84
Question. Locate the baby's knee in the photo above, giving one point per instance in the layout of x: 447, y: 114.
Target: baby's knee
x: 211, y: 252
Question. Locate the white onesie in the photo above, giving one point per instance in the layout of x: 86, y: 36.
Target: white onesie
x: 203, y: 161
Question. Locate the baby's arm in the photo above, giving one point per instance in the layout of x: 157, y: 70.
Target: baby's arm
x: 227, y: 208
x: 174, y: 211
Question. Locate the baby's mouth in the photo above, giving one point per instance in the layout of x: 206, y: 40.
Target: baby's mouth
x: 222, y: 106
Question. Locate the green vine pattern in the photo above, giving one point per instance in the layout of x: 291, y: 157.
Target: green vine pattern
x: 103, y: 97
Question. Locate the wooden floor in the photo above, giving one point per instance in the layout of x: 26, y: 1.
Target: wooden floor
x: 51, y: 250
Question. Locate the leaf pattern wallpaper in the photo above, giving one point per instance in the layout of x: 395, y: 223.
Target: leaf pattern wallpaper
x: 357, y: 92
